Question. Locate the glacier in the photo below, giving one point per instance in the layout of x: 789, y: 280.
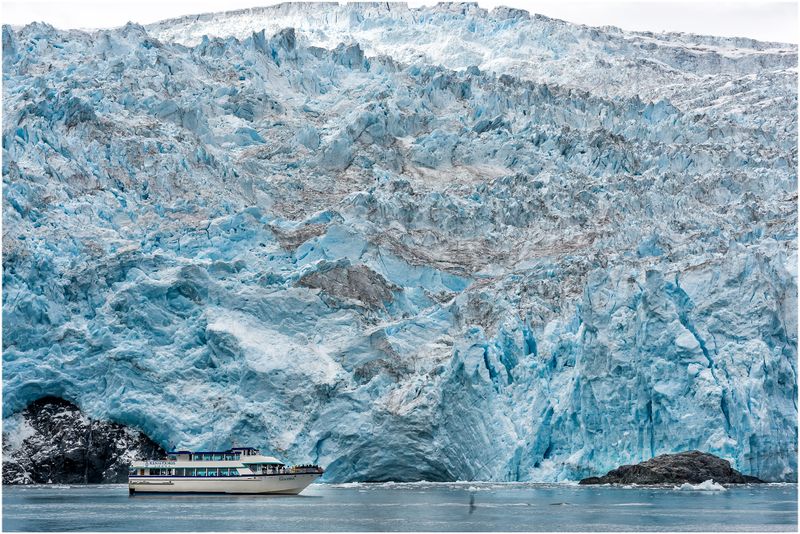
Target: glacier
x: 437, y: 243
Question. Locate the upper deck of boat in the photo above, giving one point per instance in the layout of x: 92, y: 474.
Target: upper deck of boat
x: 234, y: 457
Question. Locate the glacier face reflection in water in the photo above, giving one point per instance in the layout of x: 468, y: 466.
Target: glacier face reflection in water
x: 393, y: 507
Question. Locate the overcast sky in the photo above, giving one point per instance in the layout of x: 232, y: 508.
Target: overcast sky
x: 768, y: 21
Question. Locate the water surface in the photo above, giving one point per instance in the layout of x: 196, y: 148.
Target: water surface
x: 392, y: 507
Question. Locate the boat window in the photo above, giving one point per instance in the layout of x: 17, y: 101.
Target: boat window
x: 190, y: 471
x: 141, y: 471
x: 201, y: 472
x: 179, y: 471
x: 234, y: 472
x: 212, y: 472
x: 223, y: 471
x: 172, y: 457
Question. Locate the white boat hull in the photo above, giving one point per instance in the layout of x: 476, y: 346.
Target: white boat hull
x: 288, y: 484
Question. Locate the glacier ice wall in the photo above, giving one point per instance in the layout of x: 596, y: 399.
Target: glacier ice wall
x: 351, y: 240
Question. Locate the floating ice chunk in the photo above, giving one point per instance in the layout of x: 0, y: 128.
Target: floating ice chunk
x: 708, y: 485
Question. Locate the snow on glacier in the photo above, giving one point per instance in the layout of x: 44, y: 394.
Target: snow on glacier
x: 537, y: 256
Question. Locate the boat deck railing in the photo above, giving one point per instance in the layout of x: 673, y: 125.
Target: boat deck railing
x: 306, y: 469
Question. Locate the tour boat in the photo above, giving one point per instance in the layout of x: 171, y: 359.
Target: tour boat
x: 238, y: 470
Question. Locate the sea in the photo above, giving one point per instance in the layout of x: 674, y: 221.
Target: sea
x: 464, y: 506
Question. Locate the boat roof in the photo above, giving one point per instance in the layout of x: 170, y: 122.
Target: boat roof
x: 232, y: 449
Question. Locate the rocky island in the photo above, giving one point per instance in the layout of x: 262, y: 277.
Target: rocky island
x: 693, y: 467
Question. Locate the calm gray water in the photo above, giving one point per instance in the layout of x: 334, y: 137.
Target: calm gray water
x: 422, y: 506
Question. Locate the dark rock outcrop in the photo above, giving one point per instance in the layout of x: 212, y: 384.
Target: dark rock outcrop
x: 58, y: 444
x: 291, y: 239
x: 693, y: 467
x: 341, y: 280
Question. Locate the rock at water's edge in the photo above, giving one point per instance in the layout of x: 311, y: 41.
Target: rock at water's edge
x: 693, y: 467
x: 55, y: 443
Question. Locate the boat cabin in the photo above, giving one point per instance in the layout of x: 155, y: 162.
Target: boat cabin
x: 237, y: 461
x: 234, y: 454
